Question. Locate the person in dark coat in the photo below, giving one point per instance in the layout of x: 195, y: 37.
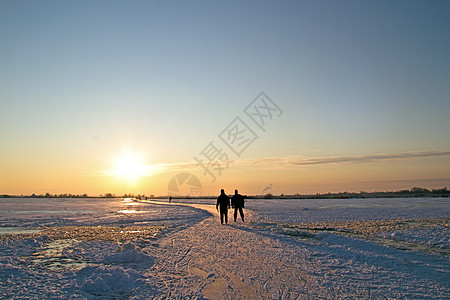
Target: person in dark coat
x: 238, y: 202
x: 223, y: 201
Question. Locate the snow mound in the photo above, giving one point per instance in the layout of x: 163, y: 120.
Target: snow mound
x: 99, y: 282
x: 131, y: 257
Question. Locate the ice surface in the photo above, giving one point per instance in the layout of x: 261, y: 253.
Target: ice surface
x: 346, y: 249
x: 36, y: 212
x: 319, y: 210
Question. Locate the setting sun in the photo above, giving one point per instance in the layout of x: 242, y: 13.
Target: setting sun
x: 130, y: 166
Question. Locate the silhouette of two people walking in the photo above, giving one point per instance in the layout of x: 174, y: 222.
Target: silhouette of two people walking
x: 223, y: 202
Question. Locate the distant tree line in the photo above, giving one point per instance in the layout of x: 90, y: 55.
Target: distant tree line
x: 48, y: 195
x: 130, y: 195
x: 415, y: 192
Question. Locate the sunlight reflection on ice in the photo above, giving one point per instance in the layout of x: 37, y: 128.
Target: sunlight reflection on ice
x: 131, y: 211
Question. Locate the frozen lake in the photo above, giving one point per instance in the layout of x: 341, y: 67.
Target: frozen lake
x: 125, y: 249
x: 36, y: 212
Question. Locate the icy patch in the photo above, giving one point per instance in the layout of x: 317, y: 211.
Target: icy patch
x: 297, y: 233
x: 18, y: 230
x: 57, y: 255
x: 429, y: 236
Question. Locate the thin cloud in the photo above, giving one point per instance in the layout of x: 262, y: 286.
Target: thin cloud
x: 372, y: 157
x: 296, y: 161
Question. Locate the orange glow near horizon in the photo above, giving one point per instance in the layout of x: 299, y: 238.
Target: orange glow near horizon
x: 130, y: 173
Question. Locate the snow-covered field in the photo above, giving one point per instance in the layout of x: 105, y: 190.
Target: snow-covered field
x: 319, y: 249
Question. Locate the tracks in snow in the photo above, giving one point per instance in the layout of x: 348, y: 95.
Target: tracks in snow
x: 210, y: 260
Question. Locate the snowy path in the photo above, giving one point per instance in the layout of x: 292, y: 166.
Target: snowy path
x: 230, y: 261
x: 259, y: 260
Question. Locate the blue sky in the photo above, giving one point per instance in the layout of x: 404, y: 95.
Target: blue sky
x: 80, y: 80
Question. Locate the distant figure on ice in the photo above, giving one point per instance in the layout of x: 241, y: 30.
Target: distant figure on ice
x: 224, y: 202
x: 170, y: 199
x: 237, y: 202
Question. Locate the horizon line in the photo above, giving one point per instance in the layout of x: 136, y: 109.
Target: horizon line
x: 113, y: 195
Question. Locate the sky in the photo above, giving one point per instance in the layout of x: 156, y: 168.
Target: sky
x: 188, y: 97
